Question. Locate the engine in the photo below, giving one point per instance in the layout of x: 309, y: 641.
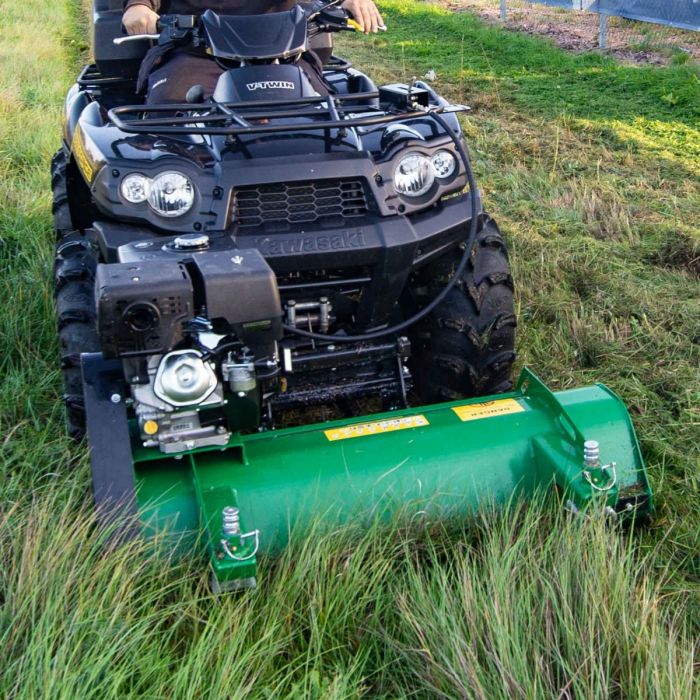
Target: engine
x: 195, y: 333
x: 200, y: 333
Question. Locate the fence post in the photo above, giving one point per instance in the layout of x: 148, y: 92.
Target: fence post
x: 602, y: 31
x: 503, y: 10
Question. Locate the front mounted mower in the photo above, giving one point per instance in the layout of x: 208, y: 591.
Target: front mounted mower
x: 275, y: 304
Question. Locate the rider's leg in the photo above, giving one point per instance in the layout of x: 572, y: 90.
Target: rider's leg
x: 180, y: 71
x: 171, y: 81
x: 311, y: 64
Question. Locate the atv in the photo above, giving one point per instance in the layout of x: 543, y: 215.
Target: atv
x: 270, y: 249
x: 228, y: 269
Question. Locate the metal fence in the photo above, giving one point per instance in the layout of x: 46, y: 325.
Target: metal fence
x: 683, y: 14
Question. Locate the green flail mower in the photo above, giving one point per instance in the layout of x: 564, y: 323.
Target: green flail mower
x: 227, y: 265
x: 445, y: 460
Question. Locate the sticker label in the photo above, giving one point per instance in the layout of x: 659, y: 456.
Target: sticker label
x: 488, y: 409
x: 81, y: 156
x: 376, y: 427
x: 87, y: 162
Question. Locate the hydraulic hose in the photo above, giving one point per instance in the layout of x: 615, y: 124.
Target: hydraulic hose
x: 471, y: 237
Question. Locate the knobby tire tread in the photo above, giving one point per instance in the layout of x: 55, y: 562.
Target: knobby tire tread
x: 74, y: 278
x: 467, y: 345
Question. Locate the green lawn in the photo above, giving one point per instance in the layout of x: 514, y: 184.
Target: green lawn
x: 593, y: 170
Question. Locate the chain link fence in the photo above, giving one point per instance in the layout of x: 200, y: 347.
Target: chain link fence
x: 643, y: 31
x: 683, y: 14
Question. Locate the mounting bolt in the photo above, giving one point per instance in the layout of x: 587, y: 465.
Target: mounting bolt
x: 378, y: 179
x: 115, y: 173
x: 115, y: 398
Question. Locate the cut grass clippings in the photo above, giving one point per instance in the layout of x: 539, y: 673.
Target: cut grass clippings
x: 591, y: 168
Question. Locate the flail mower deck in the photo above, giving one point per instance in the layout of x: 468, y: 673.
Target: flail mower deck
x: 442, y: 460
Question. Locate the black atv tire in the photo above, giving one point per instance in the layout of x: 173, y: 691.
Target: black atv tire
x: 466, y: 346
x: 74, y: 276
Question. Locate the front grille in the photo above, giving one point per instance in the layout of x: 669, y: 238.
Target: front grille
x: 282, y: 206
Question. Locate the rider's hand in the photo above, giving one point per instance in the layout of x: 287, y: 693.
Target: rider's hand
x: 365, y: 13
x: 140, y: 19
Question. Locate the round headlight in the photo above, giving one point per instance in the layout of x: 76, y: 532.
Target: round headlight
x: 414, y: 175
x: 172, y: 194
x: 444, y: 163
x: 135, y: 188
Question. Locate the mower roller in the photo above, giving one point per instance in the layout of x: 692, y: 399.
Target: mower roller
x: 230, y: 265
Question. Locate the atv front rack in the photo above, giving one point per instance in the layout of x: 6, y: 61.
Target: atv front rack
x: 262, y: 116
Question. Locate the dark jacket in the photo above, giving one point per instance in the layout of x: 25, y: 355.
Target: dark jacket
x: 311, y: 63
x: 224, y: 7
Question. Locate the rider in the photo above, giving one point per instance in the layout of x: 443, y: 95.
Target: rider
x: 170, y: 73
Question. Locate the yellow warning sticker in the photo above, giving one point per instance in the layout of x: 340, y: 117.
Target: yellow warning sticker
x: 81, y: 156
x: 376, y: 427
x: 488, y: 409
x: 87, y: 155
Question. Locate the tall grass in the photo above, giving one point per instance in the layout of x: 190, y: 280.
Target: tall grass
x: 517, y: 605
x: 601, y: 209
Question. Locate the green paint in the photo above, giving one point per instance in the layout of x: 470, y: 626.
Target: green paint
x: 281, y: 480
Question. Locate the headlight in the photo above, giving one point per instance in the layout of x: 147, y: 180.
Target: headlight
x: 135, y: 188
x: 172, y: 194
x: 414, y: 175
x: 444, y: 163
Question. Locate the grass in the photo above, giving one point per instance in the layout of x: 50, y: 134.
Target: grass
x: 591, y: 169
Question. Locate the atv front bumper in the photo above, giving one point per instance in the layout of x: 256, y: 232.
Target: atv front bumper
x: 384, y: 251
x: 405, y: 241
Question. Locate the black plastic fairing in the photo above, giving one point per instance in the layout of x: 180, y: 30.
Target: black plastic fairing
x: 263, y: 82
x: 255, y: 37
x: 114, y: 60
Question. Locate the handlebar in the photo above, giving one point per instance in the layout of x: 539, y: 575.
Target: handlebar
x: 180, y: 26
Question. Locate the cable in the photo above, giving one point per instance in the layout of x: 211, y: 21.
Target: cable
x: 471, y: 237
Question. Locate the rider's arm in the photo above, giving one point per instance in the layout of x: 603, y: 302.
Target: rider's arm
x: 140, y: 16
